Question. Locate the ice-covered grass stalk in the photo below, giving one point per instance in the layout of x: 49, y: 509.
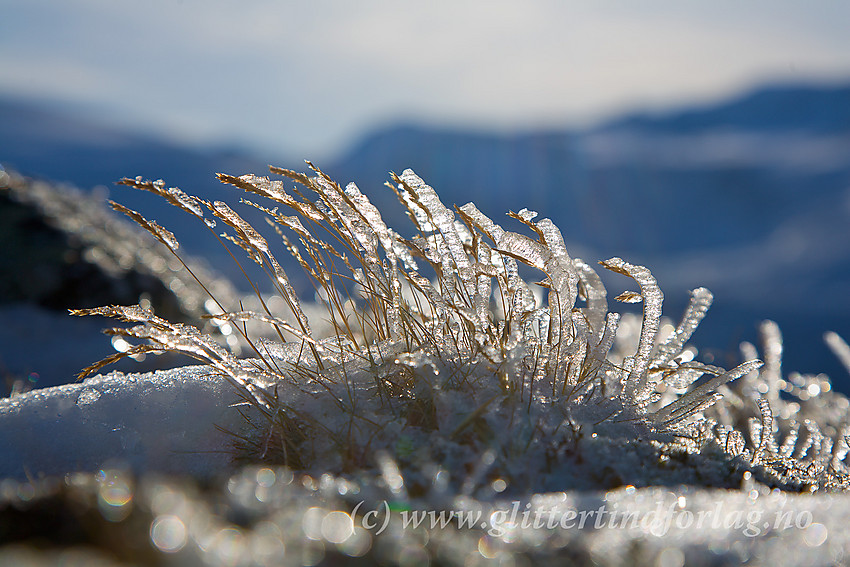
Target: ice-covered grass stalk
x: 441, y: 352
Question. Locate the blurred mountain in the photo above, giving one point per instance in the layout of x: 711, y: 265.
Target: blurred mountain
x: 646, y: 184
x: 813, y: 109
x: 749, y: 197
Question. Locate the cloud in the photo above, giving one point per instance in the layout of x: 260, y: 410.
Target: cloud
x: 307, y: 77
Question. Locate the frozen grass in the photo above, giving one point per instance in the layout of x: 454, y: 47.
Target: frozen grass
x: 433, y: 376
x: 441, y: 352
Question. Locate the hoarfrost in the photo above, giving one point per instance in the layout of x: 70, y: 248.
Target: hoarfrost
x: 453, y: 348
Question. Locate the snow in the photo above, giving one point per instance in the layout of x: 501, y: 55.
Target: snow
x: 169, y: 422
x: 166, y: 421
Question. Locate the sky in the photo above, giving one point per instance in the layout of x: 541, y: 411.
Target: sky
x: 307, y: 79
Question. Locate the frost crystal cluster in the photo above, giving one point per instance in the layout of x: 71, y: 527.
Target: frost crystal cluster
x: 442, y: 356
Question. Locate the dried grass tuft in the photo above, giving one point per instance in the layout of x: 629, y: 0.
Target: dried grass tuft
x: 437, y: 340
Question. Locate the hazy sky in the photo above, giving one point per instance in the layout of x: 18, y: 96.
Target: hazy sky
x: 304, y: 79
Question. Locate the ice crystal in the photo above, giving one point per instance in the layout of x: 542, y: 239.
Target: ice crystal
x: 798, y: 428
x: 442, y: 352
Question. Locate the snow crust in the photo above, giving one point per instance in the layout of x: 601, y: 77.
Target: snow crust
x: 164, y: 421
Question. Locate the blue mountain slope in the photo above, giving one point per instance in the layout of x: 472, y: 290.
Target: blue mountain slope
x: 749, y: 165
x: 814, y: 109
